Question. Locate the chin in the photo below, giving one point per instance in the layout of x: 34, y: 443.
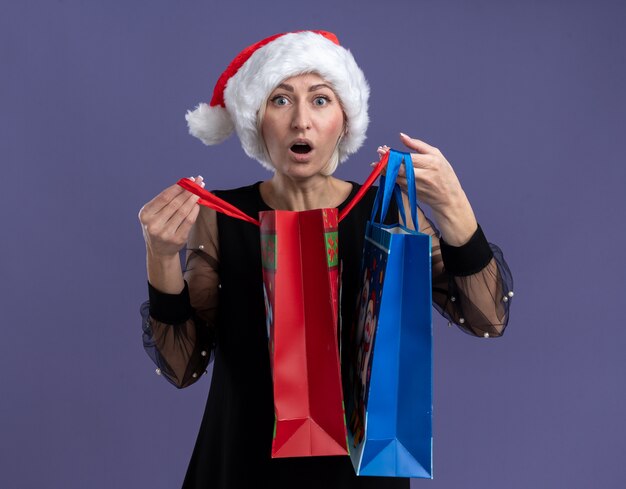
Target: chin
x: 303, y: 173
x: 300, y: 170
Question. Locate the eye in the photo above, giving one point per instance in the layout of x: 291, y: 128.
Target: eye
x: 321, y: 100
x: 280, y: 100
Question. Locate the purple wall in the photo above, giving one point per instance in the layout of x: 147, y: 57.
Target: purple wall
x: 527, y: 101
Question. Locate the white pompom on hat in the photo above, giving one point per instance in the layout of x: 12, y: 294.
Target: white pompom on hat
x: 252, y: 76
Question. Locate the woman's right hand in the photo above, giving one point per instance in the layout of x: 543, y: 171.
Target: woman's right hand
x: 167, y: 220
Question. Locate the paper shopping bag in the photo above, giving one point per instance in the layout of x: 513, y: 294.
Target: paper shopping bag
x: 389, y: 387
x: 300, y: 278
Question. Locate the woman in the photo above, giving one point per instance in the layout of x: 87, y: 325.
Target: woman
x: 298, y: 103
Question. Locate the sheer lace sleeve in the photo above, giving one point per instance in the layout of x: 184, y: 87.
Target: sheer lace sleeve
x: 178, y: 329
x: 472, y: 284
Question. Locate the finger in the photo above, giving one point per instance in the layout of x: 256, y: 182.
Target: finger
x: 417, y: 145
x: 422, y: 172
x: 382, y: 150
x: 424, y: 161
x: 183, y: 212
x: 200, y: 180
x: 421, y: 178
x: 402, y: 183
x: 165, y: 197
x: 176, y: 214
x: 375, y: 163
x: 416, y: 170
x: 168, y: 195
x: 185, y: 226
x: 157, y: 204
x: 167, y: 211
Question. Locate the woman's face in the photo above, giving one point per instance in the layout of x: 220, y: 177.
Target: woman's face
x: 302, y: 125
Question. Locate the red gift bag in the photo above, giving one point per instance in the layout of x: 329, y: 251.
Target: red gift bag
x: 300, y: 277
x: 300, y: 282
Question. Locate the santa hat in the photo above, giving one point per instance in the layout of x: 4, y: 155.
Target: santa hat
x: 259, y: 69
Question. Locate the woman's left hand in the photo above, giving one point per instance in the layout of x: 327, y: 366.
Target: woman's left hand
x: 438, y: 186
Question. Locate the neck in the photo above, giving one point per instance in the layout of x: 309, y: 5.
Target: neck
x: 283, y: 193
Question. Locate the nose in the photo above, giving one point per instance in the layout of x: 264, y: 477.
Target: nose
x: 301, y: 117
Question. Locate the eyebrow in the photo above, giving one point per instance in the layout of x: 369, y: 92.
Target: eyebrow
x: 312, y: 88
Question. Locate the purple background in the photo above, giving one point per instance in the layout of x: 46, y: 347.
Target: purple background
x: 525, y: 99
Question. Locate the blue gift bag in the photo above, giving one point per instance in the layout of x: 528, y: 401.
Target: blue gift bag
x: 388, y: 392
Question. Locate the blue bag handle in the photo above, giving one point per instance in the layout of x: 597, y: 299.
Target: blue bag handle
x: 389, y: 187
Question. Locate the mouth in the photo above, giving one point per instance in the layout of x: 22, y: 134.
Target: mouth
x: 301, y: 147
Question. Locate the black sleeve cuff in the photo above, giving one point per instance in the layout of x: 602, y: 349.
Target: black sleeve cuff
x: 469, y: 258
x: 170, y: 308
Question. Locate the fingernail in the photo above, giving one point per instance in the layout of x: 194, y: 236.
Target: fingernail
x: 192, y: 179
x: 200, y: 176
x: 373, y: 164
x: 402, y: 134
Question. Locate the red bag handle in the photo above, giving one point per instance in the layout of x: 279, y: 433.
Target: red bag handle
x: 368, y: 183
x: 214, y: 202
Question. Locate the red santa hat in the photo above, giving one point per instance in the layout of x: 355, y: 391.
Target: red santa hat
x: 259, y: 69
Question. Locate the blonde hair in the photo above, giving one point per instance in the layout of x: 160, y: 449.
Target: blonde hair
x: 333, y: 162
